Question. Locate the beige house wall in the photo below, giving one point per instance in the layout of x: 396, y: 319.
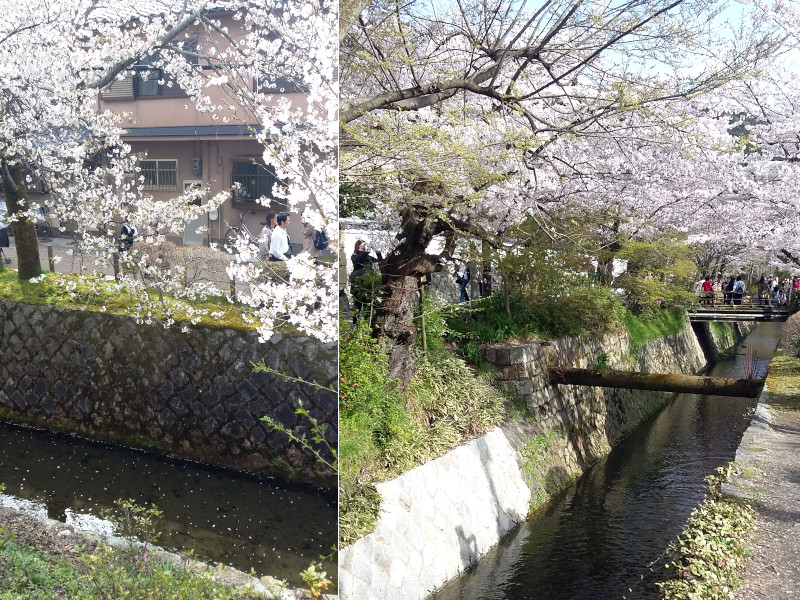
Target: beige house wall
x: 217, y: 152
x: 217, y: 158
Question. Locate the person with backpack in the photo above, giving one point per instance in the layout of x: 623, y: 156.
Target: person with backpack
x: 738, y: 290
x: 314, y: 242
x: 763, y: 291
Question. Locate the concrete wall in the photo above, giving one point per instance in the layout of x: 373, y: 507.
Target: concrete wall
x: 194, y: 393
x: 438, y: 519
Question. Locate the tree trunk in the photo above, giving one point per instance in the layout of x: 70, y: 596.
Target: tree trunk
x: 402, y: 270
x: 506, y: 295
x: 25, y: 240
x: 396, y: 325
x: 691, y: 384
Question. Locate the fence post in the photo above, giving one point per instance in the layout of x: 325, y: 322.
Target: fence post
x: 50, y: 258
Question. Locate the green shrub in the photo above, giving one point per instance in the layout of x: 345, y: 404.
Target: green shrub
x: 707, y: 558
x: 579, y: 309
x: 435, y: 326
x: 658, y: 274
x: 367, y: 290
x: 790, y: 335
x: 446, y: 391
x: 486, y: 322
x: 29, y: 573
x: 105, y: 573
x: 383, y: 433
x: 366, y: 394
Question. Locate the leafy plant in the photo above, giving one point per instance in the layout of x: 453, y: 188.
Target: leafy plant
x: 707, y: 557
x: 602, y: 361
x: 138, y: 526
x: 5, y: 535
x: 384, y: 431
x: 576, y: 308
x: 316, y: 579
x: 318, y: 444
x: 134, y: 573
x: 431, y: 323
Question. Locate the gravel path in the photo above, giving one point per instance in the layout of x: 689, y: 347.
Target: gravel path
x: 771, y: 448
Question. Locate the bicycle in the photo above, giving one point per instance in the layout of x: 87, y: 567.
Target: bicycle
x: 238, y: 232
x: 43, y: 228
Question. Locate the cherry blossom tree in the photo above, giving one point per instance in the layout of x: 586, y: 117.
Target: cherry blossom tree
x: 475, y: 116
x: 57, y: 55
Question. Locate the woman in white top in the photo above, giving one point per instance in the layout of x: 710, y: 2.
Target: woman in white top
x: 266, y: 236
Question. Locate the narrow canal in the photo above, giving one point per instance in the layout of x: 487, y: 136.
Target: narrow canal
x: 270, y: 526
x: 602, y: 538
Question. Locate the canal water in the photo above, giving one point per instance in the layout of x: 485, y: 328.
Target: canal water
x: 603, y: 538
x: 271, y: 526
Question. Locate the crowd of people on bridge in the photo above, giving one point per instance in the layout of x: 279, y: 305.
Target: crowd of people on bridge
x: 732, y: 290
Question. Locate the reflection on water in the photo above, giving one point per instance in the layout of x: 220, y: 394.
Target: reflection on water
x: 603, y: 537
x: 271, y: 526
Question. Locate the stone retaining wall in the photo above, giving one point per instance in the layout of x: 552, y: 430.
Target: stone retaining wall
x: 438, y: 519
x: 192, y: 393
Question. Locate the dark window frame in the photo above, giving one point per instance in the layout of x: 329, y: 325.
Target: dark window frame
x: 256, y: 180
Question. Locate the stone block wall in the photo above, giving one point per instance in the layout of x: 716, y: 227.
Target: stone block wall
x: 438, y: 519
x: 584, y: 412
x: 192, y: 393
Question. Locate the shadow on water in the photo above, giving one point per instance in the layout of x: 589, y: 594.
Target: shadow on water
x: 599, y: 538
x: 271, y: 526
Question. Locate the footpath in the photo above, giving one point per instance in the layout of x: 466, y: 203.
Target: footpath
x: 770, y: 456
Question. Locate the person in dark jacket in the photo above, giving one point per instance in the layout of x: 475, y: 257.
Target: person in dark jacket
x: 729, y: 290
x: 763, y: 291
x: 361, y: 257
x: 362, y: 261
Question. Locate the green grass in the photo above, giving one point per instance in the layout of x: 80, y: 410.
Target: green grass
x: 384, y: 432
x: 664, y: 322
x: 97, y: 294
x: 580, y: 312
x: 783, y: 382
x: 721, y: 329
x: 28, y: 573
x: 103, y: 574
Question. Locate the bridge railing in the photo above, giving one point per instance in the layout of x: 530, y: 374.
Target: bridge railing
x: 749, y: 299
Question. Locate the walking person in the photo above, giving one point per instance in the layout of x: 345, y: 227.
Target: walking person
x: 314, y: 242
x: 780, y: 297
x: 763, y: 291
x: 280, y: 244
x: 738, y: 290
x: 462, y: 279
x: 774, y: 292
x: 731, y: 285
x: 707, y: 289
x: 265, y: 238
